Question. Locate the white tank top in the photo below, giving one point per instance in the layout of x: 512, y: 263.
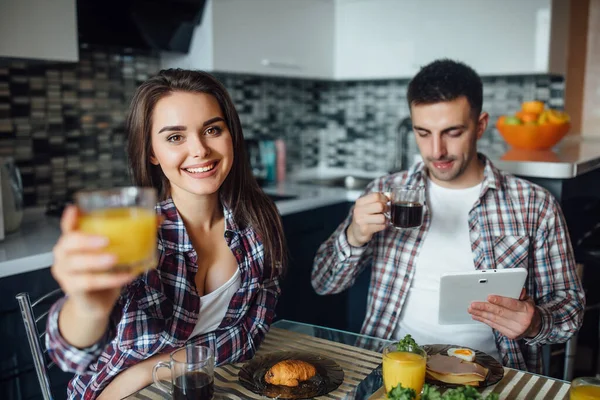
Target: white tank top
x: 446, y: 248
x: 213, y: 306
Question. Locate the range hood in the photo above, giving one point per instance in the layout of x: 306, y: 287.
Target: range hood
x: 140, y: 24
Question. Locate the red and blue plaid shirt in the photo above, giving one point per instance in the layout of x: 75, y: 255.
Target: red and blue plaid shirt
x: 158, y: 311
x: 514, y: 223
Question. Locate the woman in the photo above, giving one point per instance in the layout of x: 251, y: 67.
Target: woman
x: 220, y: 245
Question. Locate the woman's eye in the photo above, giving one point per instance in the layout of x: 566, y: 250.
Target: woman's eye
x: 174, y: 138
x: 213, y: 131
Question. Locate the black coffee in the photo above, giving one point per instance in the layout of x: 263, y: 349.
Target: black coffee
x: 407, y: 214
x: 194, y: 386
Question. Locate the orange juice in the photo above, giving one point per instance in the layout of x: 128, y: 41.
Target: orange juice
x: 585, y: 392
x: 405, y: 368
x: 131, y: 232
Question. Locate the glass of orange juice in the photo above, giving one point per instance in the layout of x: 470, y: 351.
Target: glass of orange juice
x: 404, y: 367
x: 127, y: 218
x: 585, y: 389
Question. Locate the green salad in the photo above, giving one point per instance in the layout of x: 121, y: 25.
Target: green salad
x: 432, y: 393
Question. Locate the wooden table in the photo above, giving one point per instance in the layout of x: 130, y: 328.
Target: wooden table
x: 359, y: 356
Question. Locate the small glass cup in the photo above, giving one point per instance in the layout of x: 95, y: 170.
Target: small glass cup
x: 406, y: 206
x: 585, y: 388
x: 192, y: 374
x: 127, y: 218
x: 404, y: 367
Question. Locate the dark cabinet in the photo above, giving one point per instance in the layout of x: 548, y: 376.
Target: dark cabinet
x: 18, y: 380
x: 305, y: 231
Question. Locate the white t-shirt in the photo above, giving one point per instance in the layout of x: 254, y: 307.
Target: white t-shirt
x: 445, y: 248
x: 213, y: 306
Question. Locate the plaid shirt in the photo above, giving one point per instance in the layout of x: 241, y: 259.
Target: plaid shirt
x: 514, y: 223
x: 158, y: 311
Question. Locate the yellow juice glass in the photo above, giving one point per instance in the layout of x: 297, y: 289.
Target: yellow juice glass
x: 585, y: 389
x: 127, y: 218
x: 404, y: 367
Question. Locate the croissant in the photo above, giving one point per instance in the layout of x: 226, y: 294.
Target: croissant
x: 290, y: 373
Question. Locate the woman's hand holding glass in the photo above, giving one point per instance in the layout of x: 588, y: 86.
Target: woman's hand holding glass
x: 82, y: 267
x: 108, y: 239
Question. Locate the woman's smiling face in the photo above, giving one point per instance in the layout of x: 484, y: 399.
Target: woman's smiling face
x: 191, y: 143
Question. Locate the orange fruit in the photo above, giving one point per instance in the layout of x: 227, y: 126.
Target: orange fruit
x: 535, y: 106
x: 527, y: 116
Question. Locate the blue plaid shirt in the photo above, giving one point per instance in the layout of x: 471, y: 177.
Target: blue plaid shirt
x: 513, y: 224
x: 158, y: 311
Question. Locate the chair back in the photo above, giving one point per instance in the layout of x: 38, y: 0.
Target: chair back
x: 36, y: 340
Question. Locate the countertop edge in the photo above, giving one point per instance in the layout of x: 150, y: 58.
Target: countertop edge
x: 320, y: 197
x: 26, y: 264
x: 539, y: 169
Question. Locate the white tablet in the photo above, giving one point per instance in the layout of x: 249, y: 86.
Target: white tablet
x: 459, y: 290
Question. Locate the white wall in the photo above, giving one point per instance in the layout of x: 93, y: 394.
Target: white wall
x: 39, y: 29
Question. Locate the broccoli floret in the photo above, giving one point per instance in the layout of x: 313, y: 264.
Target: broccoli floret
x: 401, y: 393
x: 407, y: 344
x: 430, y: 393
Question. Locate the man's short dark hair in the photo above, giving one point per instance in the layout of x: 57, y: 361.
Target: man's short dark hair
x: 446, y: 80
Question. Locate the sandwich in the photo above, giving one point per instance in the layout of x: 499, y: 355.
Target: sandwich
x: 455, y: 370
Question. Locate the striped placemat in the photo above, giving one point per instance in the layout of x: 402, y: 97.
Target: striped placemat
x: 357, y: 364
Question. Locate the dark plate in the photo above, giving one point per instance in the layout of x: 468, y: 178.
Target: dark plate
x: 495, y: 369
x: 329, y: 376
x: 374, y: 380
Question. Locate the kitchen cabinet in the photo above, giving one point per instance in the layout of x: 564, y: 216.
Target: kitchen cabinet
x: 393, y: 38
x: 39, y: 29
x: 18, y: 380
x: 265, y: 37
x: 377, y: 39
x: 304, y: 232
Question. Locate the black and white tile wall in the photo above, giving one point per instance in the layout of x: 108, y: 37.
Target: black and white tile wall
x: 63, y: 123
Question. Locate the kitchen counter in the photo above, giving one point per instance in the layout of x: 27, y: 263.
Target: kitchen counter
x: 30, y: 248
x: 571, y: 158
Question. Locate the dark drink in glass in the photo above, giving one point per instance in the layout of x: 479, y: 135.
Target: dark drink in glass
x: 406, y: 206
x: 407, y: 214
x: 192, y: 373
x: 194, y: 386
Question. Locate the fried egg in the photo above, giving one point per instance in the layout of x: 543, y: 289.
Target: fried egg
x: 463, y: 354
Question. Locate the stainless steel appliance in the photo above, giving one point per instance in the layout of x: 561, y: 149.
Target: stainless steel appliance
x: 11, y: 200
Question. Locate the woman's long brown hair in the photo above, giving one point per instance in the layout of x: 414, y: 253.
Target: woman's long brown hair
x: 240, y: 190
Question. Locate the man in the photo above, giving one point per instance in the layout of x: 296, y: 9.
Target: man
x: 476, y: 217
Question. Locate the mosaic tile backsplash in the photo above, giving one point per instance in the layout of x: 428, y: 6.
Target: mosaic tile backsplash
x: 63, y: 123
